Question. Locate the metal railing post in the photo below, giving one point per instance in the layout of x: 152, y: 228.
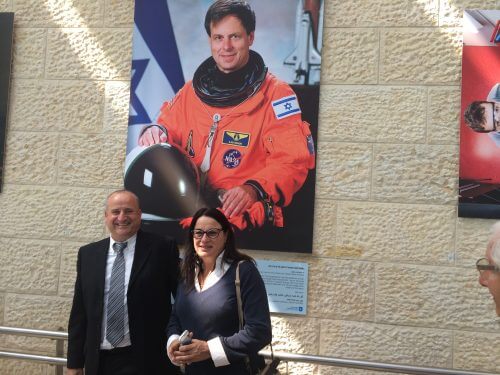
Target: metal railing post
x: 59, y: 353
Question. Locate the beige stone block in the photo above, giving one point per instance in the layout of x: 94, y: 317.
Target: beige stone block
x: 58, y: 13
x: 389, y: 13
x: 2, y: 303
x: 451, y: 11
x: 396, y: 232
x: 29, y: 266
x: 116, y: 109
x: 420, y: 56
x: 472, y: 238
x: 373, y: 114
x: 68, y: 268
x: 444, y: 115
x: 64, y: 106
x: 440, y: 297
x: 119, y: 13
x: 386, y: 343
x: 28, y: 59
x: 18, y: 367
x: 52, y: 213
x: 476, y: 351
x: 341, y: 289
x: 31, y: 158
x: 325, y: 224
x: 36, y: 312
x: 349, y: 56
x: 296, y: 335
x: 92, y: 160
x: 416, y: 174
x: 343, y: 170
x: 5, y: 6
x: 89, y: 53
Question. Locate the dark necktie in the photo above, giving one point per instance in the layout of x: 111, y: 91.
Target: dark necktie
x: 115, y: 316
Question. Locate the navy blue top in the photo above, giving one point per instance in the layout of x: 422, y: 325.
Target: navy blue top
x: 214, y: 313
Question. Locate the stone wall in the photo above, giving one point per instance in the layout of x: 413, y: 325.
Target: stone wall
x: 392, y: 273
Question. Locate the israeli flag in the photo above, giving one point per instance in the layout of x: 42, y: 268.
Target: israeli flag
x: 156, y: 66
x: 286, y: 106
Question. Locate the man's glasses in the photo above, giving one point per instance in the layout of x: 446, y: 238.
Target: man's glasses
x: 211, y: 233
x: 483, y: 264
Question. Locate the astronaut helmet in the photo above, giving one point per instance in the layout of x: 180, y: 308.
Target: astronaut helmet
x: 165, y: 179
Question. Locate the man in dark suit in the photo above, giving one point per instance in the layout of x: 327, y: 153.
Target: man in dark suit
x: 121, y: 304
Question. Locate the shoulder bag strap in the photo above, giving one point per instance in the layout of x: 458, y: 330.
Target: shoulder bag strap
x: 238, y: 294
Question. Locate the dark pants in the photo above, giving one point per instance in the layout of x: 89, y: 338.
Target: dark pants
x: 118, y: 361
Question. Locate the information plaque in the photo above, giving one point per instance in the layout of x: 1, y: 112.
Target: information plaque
x: 286, y: 285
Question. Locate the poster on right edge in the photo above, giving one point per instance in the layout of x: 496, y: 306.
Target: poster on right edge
x: 479, y: 178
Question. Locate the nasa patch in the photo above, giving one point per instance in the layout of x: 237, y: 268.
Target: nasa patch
x: 231, y: 159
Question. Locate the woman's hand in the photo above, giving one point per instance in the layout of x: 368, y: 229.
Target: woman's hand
x: 186, y: 354
x: 171, y: 350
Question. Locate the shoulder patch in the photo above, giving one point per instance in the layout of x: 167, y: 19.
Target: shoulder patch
x: 236, y: 138
x: 286, y: 106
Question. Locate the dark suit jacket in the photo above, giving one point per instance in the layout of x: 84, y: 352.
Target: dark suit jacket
x: 152, y: 280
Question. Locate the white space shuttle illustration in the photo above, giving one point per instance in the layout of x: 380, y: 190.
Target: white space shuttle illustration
x: 306, y: 57
x: 494, y: 94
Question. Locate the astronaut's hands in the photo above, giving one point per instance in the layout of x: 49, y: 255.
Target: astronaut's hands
x: 152, y: 134
x: 237, y: 199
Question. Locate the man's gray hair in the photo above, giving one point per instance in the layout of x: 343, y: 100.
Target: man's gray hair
x: 494, y: 243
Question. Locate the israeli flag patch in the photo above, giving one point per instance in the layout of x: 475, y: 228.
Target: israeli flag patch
x: 286, y: 106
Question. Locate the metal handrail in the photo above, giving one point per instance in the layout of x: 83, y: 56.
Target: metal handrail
x: 58, y: 361
x: 365, y: 365
x: 292, y: 357
x: 58, y: 336
x: 34, y: 333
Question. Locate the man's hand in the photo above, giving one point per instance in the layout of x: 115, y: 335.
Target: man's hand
x: 152, y: 135
x: 74, y: 371
x: 238, y: 199
x: 195, y: 352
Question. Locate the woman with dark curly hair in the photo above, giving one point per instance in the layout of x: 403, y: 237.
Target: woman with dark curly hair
x: 206, y: 303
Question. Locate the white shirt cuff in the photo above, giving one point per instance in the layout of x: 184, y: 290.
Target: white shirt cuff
x: 217, y: 352
x: 169, y: 341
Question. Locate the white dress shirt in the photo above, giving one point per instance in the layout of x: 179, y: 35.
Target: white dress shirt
x: 128, y: 254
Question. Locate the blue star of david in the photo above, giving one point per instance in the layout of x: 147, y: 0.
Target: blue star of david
x: 141, y: 117
x: 288, y: 106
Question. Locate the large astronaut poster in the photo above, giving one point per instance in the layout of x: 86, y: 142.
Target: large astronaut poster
x: 226, y: 120
x: 479, y: 185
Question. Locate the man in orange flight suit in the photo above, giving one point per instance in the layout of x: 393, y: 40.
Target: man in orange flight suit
x: 240, y: 125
